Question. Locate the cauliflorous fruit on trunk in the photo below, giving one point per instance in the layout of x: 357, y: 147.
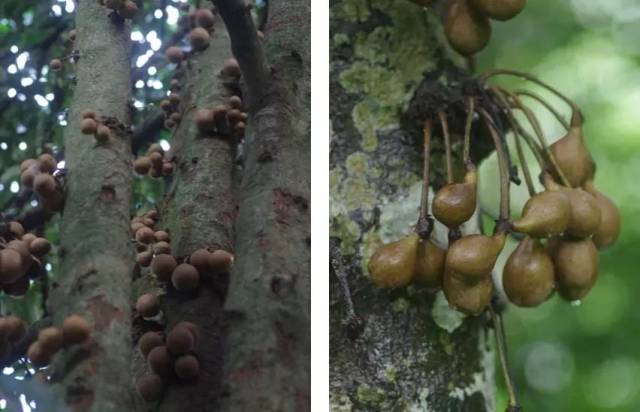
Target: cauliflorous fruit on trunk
x: 220, y: 261
x: 163, y: 266
x: 160, y: 361
x: 37, y: 355
x: 199, y: 38
x: 88, y: 126
x: 455, y: 203
x: 204, y: 18
x: 39, y: 246
x: 12, y: 266
x: 467, y: 30
x: 545, y: 214
x: 75, y: 330
x: 572, y: 155
x: 528, y: 276
x: 149, y: 341
x: 51, y: 339
x: 142, y: 165
x: 148, y: 305
x: 429, y: 264
x: 231, y: 68
x: 499, y: 9
x: 44, y: 184
x: 55, y: 64
x: 187, y: 367
x: 185, y: 277
x: 576, y: 264
x: 180, y: 340
x: 47, y: 163
x: 472, y: 258
x: 609, y: 228
x: 471, y: 299
x: 394, y: 264
x: 150, y: 387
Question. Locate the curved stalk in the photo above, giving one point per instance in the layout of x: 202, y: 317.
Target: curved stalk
x: 447, y: 145
x: 546, y: 104
x: 425, y: 223
x: 467, y: 131
x: 523, y: 163
x: 504, y: 168
x: 502, y: 354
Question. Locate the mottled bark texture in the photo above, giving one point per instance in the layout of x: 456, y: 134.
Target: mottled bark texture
x: 267, y: 348
x: 414, y: 353
x: 198, y: 213
x: 96, y: 253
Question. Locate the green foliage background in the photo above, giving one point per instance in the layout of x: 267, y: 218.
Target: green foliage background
x: 583, y: 358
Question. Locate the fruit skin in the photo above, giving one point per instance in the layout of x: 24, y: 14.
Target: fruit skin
x: 572, y: 155
x: 220, y: 261
x: 149, y: 387
x: 187, y: 367
x: 149, y: 341
x: 180, y: 340
x: 528, y: 276
x: 199, y: 38
x: 163, y: 266
x: 142, y: 165
x: 231, y: 68
x: 88, y: 126
x: 51, y: 340
x: 609, y: 228
x: 204, y: 18
x: 585, y: 213
x: 55, y: 65
x: 160, y: 361
x: 467, y: 30
x: 455, y: 203
x: 471, y: 258
x: 429, y: 264
x: 470, y: 299
x: 499, y: 9
x: 75, y: 330
x: 12, y: 266
x: 37, y: 355
x: 148, y: 305
x: 185, y: 277
x: 545, y: 214
x: 576, y: 263
x: 393, y: 264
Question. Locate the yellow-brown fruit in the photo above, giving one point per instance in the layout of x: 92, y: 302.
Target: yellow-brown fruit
x: 204, y: 18
x: 394, y: 264
x: 16, y: 229
x: 44, y: 184
x: 55, y: 64
x: 163, y: 266
x: 103, y: 134
x: 142, y: 165
x: 149, y: 341
x: 144, y: 235
x: 192, y: 328
x: 20, y: 247
x: 471, y: 299
x: 152, y: 214
x: 455, y: 203
x: 28, y: 176
x: 28, y: 238
x: 37, y: 355
x: 156, y: 159
x: 199, y: 38
x: 135, y: 226
x: 231, y: 68
x: 467, y: 30
x: 499, y: 9
x: 185, y: 277
x: 15, y: 328
x: 161, y: 236
x: 429, y: 264
x: 609, y: 228
x: 47, y: 163
x: 128, y: 9
x: 180, y: 341
x: 576, y: 263
x: 12, y: 266
x: 545, y: 214
x: 18, y: 288
x: 75, y: 330
x: 235, y: 102
x: 148, y: 305
x: 159, y: 361
x: 200, y: 259
x: 162, y: 248
x: 572, y: 155
x: 167, y: 169
x: 585, y: 213
x: 155, y: 148
x: 144, y: 258
x: 239, y: 128
x: 89, y: 114
x: 88, y: 126
x: 471, y: 258
x: 39, y: 246
x: 203, y: 119
x: 220, y: 261
x: 54, y: 202
x: 187, y: 367
x: 234, y: 115
x: 149, y: 223
x: 50, y: 339
x: 528, y: 276
x: 28, y: 163
x: 149, y: 387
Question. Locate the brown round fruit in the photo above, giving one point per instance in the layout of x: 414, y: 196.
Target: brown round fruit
x: 44, y: 184
x: 47, y: 163
x: 467, y: 30
x: 103, y: 133
x: 160, y: 361
x: 192, y: 328
x: 204, y: 18
x: 89, y: 114
x: 220, y: 261
x: 180, y: 341
x: 199, y: 38
x: 16, y: 229
x: 163, y: 266
x: 149, y: 341
x: 51, y: 340
x: 231, y: 68
x: 142, y: 165
x: 203, y: 119
x: 235, y: 102
x: 12, y: 266
x: 499, y: 9
x: 16, y: 328
x: 144, y: 258
x: 149, y: 387
x: 37, y: 355
x: 162, y: 248
x: 162, y: 236
x: 75, y: 330
x: 88, y: 126
x: 55, y: 65
x: 200, y: 259
x: 148, y: 305
x: 39, y: 246
x: 145, y: 235
x: 187, y: 367
x: 185, y: 277
x: 128, y: 9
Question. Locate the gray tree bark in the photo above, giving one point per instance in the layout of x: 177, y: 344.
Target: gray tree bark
x: 414, y: 353
x: 96, y: 253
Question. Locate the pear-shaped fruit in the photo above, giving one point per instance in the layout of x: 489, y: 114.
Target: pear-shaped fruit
x: 455, y: 203
x: 572, y: 155
x: 429, y: 264
x: 545, y: 214
x: 467, y: 30
x: 609, y: 227
x: 471, y: 258
x: 393, y: 264
x: 576, y: 264
x: 585, y: 212
x: 470, y: 299
x: 528, y: 277
x: 499, y: 9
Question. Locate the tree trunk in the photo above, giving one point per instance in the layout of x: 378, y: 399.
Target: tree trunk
x: 414, y: 353
x: 97, y: 255
x: 267, y: 362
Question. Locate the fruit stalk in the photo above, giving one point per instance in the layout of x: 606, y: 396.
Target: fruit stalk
x: 425, y: 223
x: 467, y: 131
x: 546, y: 104
x: 502, y: 355
x: 447, y: 145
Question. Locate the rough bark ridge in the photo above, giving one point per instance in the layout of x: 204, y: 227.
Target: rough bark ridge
x: 414, y: 353
x: 199, y: 213
x: 267, y: 357
x: 96, y: 253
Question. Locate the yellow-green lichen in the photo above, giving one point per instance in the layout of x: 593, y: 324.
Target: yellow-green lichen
x: 370, y: 243
x: 348, y: 231
x: 390, y: 373
x: 356, y: 11
x: 340, y: 39
x: 400, y: 305
x: 339, y: 402
x: 370, y: 396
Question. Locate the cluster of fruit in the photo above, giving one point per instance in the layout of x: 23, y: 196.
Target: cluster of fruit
x: 91, y: 124
x: 75, y: 330
x: 564, y: 226
x: 156, y: 163
x: 171, y: 106
x: 467, y: 24
x: 20, y: 259
x: 168, y: 356
x: 40, y: 175
x: 223, y: 120
x: 57, y: 64
x: 125, y: 8
x: 12, y: 330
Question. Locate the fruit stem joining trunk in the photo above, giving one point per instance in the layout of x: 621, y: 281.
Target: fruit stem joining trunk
x: 425, y: 223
